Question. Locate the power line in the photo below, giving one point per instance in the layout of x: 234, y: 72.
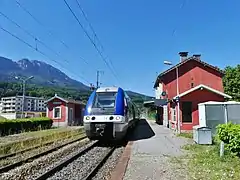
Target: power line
x: 90, y: 25
x: 94, y: 32
x: 94, y: 44
x: 181, y: 7
x: 28, y: 12
x: 31, y: 35
x: 42, y: 53
x: 41, y: 24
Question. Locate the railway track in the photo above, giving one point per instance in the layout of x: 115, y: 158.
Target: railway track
x: 99, y: 165
x: 31, y: 158
x: 87, y: 176
x: 2, y: 157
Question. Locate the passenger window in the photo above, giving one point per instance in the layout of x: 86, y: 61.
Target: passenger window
x: 125, y: 102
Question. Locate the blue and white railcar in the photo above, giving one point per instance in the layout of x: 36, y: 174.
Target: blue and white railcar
x: 109, y: 113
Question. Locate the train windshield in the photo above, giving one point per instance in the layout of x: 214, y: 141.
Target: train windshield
x: 105, y: 100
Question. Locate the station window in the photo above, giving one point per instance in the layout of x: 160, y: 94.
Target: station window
x: 57, y: 112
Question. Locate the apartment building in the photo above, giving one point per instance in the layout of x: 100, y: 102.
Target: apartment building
x: 15, y: 104
x: 0, y: 106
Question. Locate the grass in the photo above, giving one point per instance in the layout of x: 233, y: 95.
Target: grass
x: 204, y: 162
x: 31, y: 134
x: 30, y: 139
x: 2, y: 118
x: 186, y: 135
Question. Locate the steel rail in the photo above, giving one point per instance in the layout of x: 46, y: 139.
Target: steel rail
x: 13, y: 165
x: 57, y: 168
x: 99, y: 165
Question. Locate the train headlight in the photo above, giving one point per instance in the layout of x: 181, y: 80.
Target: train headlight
x: 117, y: 118
x: 87, y: 118
x: 111, y: 118
x: 89, y: 109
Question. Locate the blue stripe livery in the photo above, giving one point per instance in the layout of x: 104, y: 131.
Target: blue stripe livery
x: 119, y: 110
x: 89, y: 103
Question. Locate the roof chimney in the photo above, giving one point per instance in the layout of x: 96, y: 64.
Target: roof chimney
x: 183, y: 56
x: 198, y: 56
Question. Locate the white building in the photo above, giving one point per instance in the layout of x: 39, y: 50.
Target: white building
x: 0, y: 106
x: 14, y: 104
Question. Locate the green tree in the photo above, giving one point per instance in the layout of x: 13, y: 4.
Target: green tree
x: 231, y: 82
x: 12, y: 89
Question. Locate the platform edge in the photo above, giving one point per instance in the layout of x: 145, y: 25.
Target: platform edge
x: 119, y: 171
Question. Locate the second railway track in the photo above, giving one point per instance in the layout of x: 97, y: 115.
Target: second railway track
x: 28, y: 159
x: 83, y: 165
x: 85, y: 160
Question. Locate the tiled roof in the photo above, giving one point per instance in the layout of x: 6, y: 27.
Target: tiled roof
x: 185, y: 61
x: 73, y: 101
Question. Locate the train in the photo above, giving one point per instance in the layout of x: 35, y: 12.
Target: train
x: 109, y: 114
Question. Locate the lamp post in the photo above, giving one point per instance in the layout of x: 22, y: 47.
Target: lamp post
x: 178, y: 108
x: 23, y: 84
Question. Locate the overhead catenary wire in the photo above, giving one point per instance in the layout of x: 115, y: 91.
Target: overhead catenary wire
x: 94, y: 32
x: 40, y: 52
x: 90, y: 25
x: 31, y: 35
x: 174, y: 31
x: 34, y: 37
x: 91, y: 40
x: 181, y: 7
x: 49, y: 32
x: 28, y: 12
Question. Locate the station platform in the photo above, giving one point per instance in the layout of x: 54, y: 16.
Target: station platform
x: 152, y: 147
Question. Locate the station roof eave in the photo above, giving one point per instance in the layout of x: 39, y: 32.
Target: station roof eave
x: 155, y: 103
x: 148, y: 103
x: 204, y: 87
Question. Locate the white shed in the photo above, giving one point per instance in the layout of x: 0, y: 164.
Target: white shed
x: 212, y: 113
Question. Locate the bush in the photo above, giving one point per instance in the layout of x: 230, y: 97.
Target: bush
x: 230, y: 135
x: 15, y: 126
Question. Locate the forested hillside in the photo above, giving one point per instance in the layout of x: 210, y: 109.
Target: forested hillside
x: 12, y: 89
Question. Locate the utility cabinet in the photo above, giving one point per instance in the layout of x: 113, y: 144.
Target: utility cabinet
x: 213, y: 113
x: 202, y: 135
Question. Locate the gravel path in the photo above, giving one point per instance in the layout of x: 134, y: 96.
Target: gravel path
x: 34, y: 169
x: 105, y: 171
x: 152, y: 151
x: 79, y: 168
x: 30, y: 153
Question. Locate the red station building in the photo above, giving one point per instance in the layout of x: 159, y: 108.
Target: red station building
x: 65, y: 112
x: 198, y: 82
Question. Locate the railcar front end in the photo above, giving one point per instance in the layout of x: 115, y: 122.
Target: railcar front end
x: 105, y: 114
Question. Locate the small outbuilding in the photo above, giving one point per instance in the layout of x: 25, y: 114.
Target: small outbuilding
x: 65, y: 112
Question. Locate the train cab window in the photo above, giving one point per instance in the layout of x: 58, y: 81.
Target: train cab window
x: 105, y: 100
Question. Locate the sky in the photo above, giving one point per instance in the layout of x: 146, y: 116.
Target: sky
x: 137, y: 36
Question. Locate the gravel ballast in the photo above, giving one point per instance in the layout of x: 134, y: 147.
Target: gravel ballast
x: 32, y: 152
x: 41, y: 165
x: 105, y: 171
x: 80, y: 167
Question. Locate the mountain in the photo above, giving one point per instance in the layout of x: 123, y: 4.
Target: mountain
x: 137, y: 95
x: 44, y: 75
